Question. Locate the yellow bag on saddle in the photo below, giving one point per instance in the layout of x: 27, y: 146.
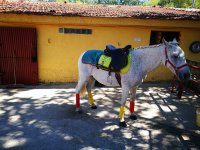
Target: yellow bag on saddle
x: 104, y: 62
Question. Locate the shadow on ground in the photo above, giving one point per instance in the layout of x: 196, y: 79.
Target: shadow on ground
x: 44, y: 117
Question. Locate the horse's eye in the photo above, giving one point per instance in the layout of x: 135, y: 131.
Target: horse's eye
x: 175, y: 56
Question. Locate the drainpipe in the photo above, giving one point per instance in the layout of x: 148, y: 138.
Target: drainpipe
x: 192, y: 3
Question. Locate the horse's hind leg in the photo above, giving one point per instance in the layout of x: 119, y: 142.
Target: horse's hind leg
x: 132, y: 103
x: 80, y: 88
x: 90, y: 85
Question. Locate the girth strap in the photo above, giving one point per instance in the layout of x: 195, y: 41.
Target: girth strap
x: 118, y: 77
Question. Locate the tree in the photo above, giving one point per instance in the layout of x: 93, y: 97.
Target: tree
x: 112, y: 2
x: 197, y: 4
x: 163, y: 3
x: 151, y: 2
x: 131, y: 2
x: 173, y: 3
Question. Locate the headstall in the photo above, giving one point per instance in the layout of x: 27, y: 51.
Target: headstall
x: 176, y: 69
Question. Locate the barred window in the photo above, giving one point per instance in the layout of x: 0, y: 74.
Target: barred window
x: 74, y: 31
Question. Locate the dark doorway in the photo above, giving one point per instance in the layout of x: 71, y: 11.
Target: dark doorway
x: 156, y: 36
x: 18, y: 55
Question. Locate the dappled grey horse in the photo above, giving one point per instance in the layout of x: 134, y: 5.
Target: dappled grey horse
x: 143, y: 61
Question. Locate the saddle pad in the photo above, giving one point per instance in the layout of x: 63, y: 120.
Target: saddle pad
x: 91, y: 57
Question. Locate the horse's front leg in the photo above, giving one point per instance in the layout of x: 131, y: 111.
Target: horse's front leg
x: 125, y: 93
x: 132, y: 103
x: 89, y: 87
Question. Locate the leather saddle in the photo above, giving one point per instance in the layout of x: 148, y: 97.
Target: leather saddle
x: 119, y: 56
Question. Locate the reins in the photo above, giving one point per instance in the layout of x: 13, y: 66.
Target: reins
x: 176, y: 69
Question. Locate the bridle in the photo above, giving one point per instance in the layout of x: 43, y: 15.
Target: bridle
x: 176, y: 69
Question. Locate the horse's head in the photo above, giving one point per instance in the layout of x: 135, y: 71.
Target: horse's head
x: 175, y: 60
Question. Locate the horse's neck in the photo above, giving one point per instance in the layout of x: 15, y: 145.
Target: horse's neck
x: 151, y: 57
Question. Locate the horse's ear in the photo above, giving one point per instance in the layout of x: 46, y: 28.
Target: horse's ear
x: 164, y: 41
x: 174, y: 41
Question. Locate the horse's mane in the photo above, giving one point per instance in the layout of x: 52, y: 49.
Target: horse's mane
x: 151, y: 46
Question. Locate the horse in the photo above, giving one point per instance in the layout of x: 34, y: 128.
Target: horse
x: 143, y: 61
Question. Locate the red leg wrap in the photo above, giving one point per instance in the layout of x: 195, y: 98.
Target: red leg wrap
x: 132, y: 105
x: 77, y: 100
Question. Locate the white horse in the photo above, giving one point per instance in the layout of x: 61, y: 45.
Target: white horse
x: 144, y: 60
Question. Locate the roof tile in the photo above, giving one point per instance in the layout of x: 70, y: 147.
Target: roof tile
x: 98, y: 10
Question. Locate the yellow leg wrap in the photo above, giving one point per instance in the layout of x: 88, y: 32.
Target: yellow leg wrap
x: 121, y: 112
x: 90, y: 98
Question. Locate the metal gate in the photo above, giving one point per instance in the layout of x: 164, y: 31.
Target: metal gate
x: 18, y: 56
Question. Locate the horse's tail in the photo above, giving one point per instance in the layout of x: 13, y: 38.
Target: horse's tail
x: 83, y: 90
x: 81, y: 68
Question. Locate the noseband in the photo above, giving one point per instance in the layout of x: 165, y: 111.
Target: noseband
x: 176, y: 69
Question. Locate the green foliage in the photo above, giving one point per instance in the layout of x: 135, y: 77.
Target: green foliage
x: 113, y: 2
x: 164, y: 3
x: 151, y: 2
x: 131, y: 2
x: 173, y: 3
x: 197, y: 4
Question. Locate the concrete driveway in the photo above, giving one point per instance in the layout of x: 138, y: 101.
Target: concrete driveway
x: 43, y: 118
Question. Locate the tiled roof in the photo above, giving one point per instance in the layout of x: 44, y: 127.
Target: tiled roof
x: 99, y: 10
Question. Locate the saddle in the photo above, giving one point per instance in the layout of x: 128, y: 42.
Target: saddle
x: 114, y: 59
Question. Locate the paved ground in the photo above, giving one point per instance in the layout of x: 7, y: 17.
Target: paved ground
x: 43, y: 118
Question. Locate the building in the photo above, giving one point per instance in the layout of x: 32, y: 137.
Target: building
x: 41, y: 42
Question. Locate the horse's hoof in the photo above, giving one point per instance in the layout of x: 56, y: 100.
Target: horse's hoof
x: 94, y: 107
x: 133, y: 117
x: 122, y: 124
x: 79, y: 111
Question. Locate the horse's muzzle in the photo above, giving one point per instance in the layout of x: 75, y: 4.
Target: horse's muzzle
x: 184, y: 76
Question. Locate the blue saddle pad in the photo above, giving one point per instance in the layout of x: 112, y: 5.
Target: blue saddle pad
x: 91, y: 57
